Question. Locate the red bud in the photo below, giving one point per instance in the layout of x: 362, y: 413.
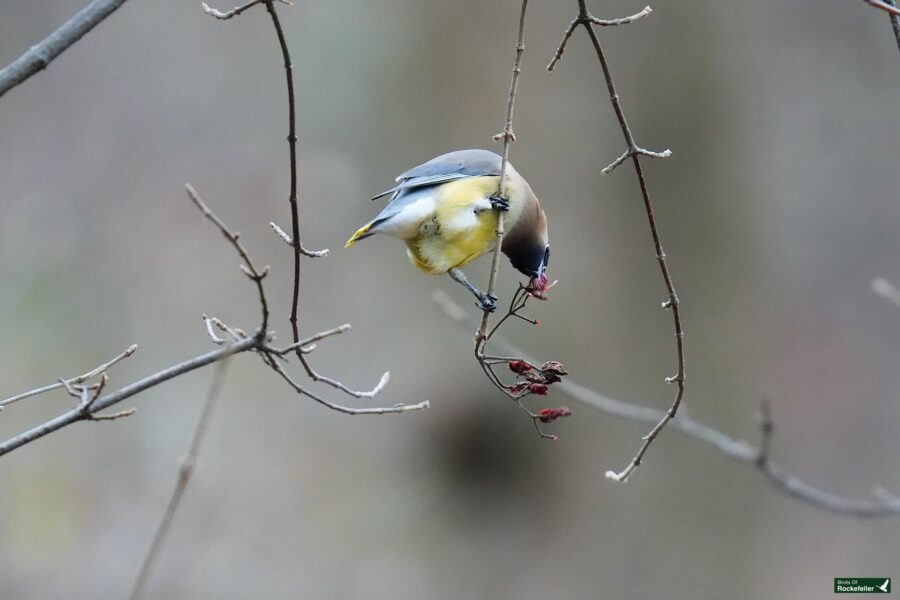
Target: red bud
x: 548, y: 415
x: 518, y: 388
x: 539, y: 389
x: 519, y: 366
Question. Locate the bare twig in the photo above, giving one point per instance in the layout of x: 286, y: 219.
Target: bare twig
x: 622, y: 21
x: 74, y: 380
x: 508, y: 137
x: 90, y: 400
x: 378, y: 410
x: 743, y: 452
x: 249, y: 269
x: 210, y: 329
x: 185, y: 470
x: 299, y: 348
x: 318, y: 377
x: 304, y: 251
x: 281, y: 233
x: 236, y: 10
x: 292, y: 150
x: 582, y: 20
x: 308, y: 345
x: 519, y: 391
x: 104, y: 402
x: 631, y: 152
x: 634, y: 152
x: 113, y: 416
x: 292, y: 147
x: 36, y: 58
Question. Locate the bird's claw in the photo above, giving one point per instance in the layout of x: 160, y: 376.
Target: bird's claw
x: 499, y: 203
x: 487, y: 302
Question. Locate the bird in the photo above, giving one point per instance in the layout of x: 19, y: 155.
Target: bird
x: 446, y: 210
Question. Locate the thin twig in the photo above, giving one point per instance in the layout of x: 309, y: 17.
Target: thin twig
x: 303, y: 250
x: 520, y: 390
x: 74, y: 380
x: 622, y: 21
x: 318, y: 377
x: 236, y: 10
x: 743, y: 452
x: 113, y: 416
x: 300, y: 349
x: 292, y: 150
x: 378, y: 410
x: 508, y: 137
x: 308, y: 345
x: 36, y: 58
x: 104, y: 402
x: 581, y: 20
x: 185, y: 470
x: 634, y: 152
x: 254, y: 274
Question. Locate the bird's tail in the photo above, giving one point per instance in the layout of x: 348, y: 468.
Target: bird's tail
x: 362, y: 232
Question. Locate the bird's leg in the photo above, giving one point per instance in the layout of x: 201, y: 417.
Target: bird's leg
x: 486, y: 302
x: 499, y: 203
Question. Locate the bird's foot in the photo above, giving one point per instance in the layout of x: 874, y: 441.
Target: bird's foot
x: 486, y: 302
x: 499, y: 203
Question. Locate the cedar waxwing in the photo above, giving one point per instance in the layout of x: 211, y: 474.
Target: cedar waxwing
x: 446, y: 212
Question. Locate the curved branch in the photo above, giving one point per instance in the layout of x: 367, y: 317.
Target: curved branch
x: 36, y: 58
x: 882, y: 505
x: 634, y: 152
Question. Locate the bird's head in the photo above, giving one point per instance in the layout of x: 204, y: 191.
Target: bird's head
x: 527, y: 244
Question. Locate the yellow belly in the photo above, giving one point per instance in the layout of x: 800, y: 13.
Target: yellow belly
x: 456, y: 235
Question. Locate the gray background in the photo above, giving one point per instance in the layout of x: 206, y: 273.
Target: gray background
x: 777, y: 209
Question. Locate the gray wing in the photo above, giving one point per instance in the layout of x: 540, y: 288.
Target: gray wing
x: 446, y: 167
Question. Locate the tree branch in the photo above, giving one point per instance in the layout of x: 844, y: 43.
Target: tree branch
x: 634, y: 152
x: 100, y: 370
x: 248, y: 268
x: 508, y: 138
x: 582, y: 20
x: 113, y: 398
x: 377, y: 410
x: 292, y: 150
x: 36, y: 58
x: 185, y: 471
x: 783, y: 481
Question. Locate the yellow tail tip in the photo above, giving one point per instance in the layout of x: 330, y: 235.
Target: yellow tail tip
x: 359, y: 233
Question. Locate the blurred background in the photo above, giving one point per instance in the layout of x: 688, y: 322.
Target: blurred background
x: 777, y: 209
